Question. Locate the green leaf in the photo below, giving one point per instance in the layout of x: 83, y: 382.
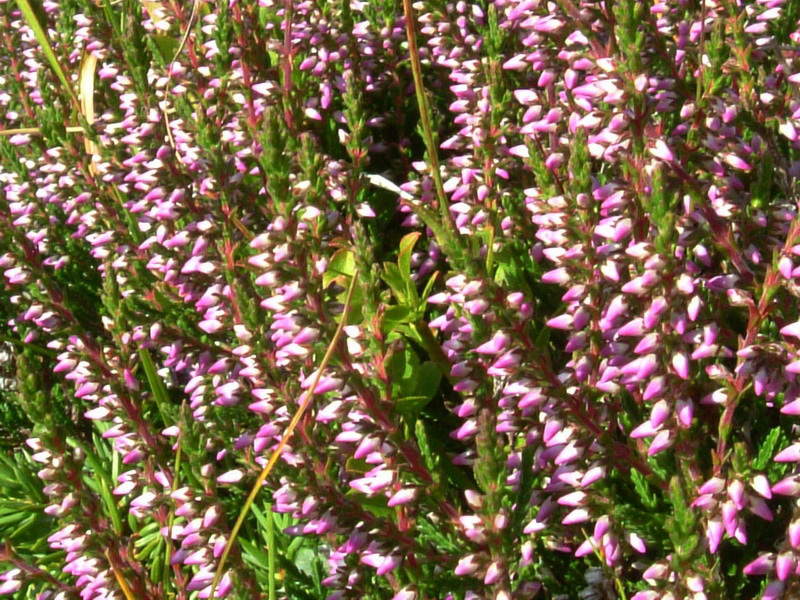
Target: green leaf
x: 403, y: 369
x: 342, y: 264
x: 404, y: 256
x: 410, y: 405
x: 100, y: 481
x: 394, y: 278
x: 404, y: 265
x: 524, y: 490
x: 394, y: 316
x: 376, y: 504
x: 304, y: 561
x: 767, y: 449
x: 428, y: 287
x: 167, y: 45
x: 157, y: 386
x: 427, y: 378
x: 643, y: 489
x: 423, y: 443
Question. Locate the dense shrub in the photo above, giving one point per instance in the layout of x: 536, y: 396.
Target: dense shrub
x: 540, y: 305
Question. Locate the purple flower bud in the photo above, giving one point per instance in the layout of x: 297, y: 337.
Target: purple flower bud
x: 495, y: 345
x: 790, y: 454
x: 637, y: 543
x: 405, y: 594
x: 680, y: 363
x: 661, y: 442
x: 759, y: 508
x: 685, y: 412
x: 761, y: 485
x: 662, y: 152
x: 493, y: 573
x: 403, y: 496
x: 736, y: 493
x: 760, y: 566
x: 773, y: 591
x: 585, y: 549
x: 12, y: 585
x: 234, y: 476
x: 787, y: 487
x: 558, y: 276
x: 467, y: 565
x: 714, y: 533
x: 368, y: 445
x: 794, y: 534
x: 579, y: 515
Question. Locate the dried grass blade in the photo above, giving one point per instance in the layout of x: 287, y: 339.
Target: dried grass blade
x: 309, y: 396
x: 35, y: 130
x: 126, y: 590
x: 86, y: 89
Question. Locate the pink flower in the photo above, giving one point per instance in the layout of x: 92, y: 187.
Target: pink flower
x: 234, y: 476
x: 662, y: 152
x: 790, y: 454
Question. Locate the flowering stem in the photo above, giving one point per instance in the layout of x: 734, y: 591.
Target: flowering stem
x: 7, y: 554
x: 34, y: 347
x: 757, y: 315
x: 276, y: 454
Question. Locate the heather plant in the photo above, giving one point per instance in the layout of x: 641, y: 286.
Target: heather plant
x: 407, y: 300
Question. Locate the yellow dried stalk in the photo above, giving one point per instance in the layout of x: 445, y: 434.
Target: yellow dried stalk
x: 86, y: 90
x: 287, y: 434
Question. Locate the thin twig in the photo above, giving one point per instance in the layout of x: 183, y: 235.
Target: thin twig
x: 181, y: 46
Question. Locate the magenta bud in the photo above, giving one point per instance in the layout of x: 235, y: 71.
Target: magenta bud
x: 784, y: 565
x: 761, y: 485
x: 714, y: 533
x: 736, y: 493
x: 790, y: 454
x: 760, y: 566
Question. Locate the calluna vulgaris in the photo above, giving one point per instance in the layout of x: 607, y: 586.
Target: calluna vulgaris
x: 556, y: 280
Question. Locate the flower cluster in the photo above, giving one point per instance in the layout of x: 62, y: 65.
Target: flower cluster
x: 533, y: 266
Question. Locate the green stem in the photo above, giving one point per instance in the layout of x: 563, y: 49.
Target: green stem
x: 171, y: 518
x: 270, y: 550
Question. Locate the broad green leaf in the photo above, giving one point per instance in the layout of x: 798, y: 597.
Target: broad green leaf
x: 404, y: 254
x: 392, y: 276
x: 394, y: 316
x: 167, y: 45
x: 404, y: 264
x: 342, y: 264
x: 428, y: 287
x: 403, y: 370
x: 304, y: 561
x: 413, y: 384
x: 410, y: 405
